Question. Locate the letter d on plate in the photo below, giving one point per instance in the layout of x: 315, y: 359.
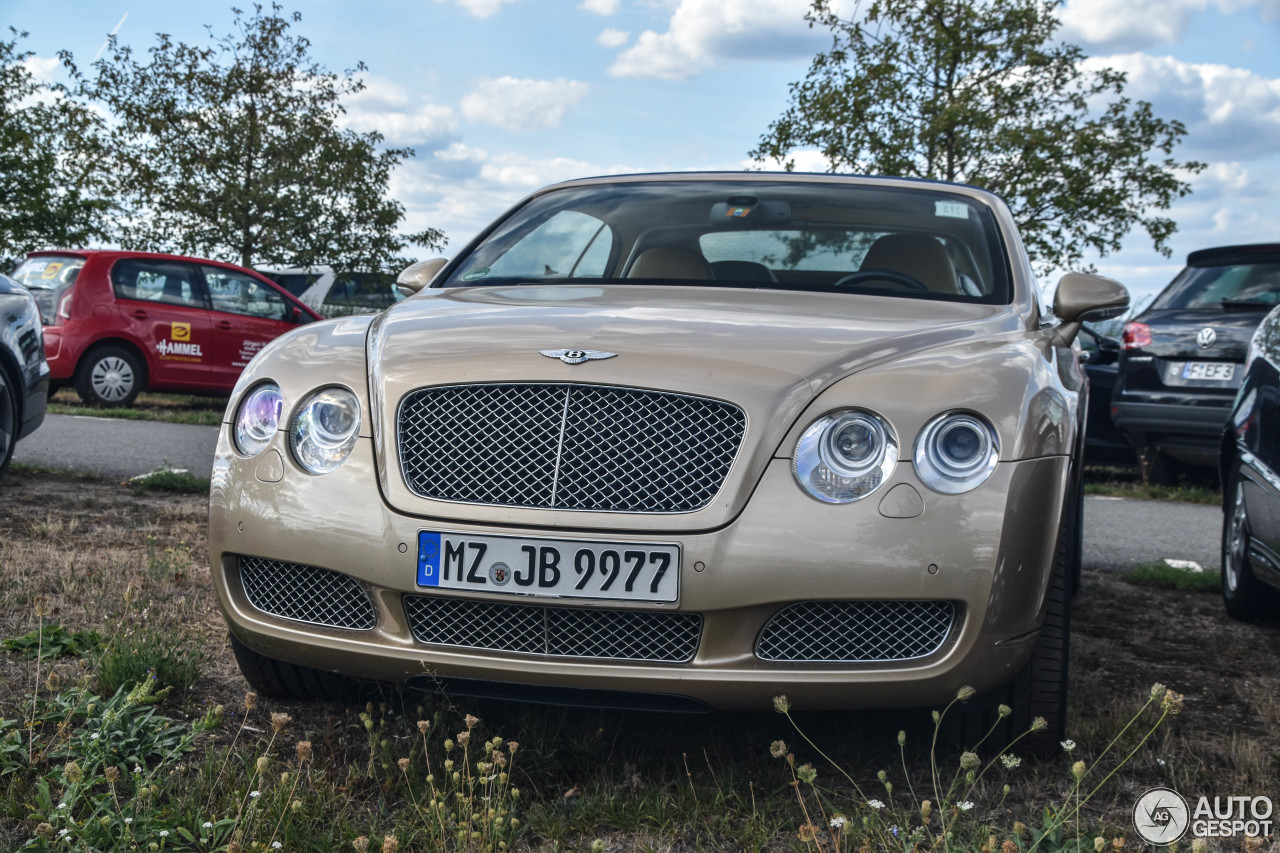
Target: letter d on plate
x: 428, y: 558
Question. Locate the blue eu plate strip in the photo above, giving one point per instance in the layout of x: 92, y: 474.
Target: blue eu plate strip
x: 428, y: 558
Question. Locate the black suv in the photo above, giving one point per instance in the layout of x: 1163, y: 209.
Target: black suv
x: 1182, y: 358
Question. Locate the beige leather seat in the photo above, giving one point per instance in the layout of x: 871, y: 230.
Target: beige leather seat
x: 918, y: 255
x: 670, y: 262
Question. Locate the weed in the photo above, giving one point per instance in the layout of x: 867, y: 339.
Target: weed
x: 1164, y: 576
x: 165, y: 479
x: 146, y: 654
x: 53, y: 641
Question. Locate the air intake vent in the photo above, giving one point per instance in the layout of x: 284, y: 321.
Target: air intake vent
x: 856, y: 631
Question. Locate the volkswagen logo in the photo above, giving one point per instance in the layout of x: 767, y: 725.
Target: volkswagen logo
x: 1206, y: 337
x: 576, y: 356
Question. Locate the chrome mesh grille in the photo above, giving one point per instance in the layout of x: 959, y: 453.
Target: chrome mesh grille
x: 557, y: 631
x: 306, y: 594
x: 562, y: 446
x: 856, y: 631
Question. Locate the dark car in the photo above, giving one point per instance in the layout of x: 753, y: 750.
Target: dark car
x: 1103, y: 443
x: 24, y: 375
x: 116, y: 323
x: 1251, y: 483
x: 1183, y: 357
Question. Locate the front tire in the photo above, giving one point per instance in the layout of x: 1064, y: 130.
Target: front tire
x: 9, y: 424
x: 110, y: 376
x: 1246, y: 598
x: 281, y: 680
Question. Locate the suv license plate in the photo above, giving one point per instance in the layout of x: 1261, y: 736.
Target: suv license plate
x: 1217, y: 370
x: 560, y: 568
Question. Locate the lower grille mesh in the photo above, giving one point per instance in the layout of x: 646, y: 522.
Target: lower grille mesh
x: 856, y: 631
x: 558, y: 631
x: 306, y: 594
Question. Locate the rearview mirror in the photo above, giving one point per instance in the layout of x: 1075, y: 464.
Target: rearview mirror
x: 419, y: 275
x: 1081, y: 297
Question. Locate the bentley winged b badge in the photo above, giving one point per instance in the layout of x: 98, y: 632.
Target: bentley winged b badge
x: 576, y: 356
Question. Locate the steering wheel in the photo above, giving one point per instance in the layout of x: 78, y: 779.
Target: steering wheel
x: 891, y: 276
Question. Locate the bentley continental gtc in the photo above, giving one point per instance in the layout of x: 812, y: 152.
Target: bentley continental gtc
x: 682, y: 441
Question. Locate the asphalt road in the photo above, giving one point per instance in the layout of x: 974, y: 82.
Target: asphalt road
x: 1118, y: 534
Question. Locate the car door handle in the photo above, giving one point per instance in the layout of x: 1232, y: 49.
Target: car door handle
x: 140, y: 314
x: 224, y: 324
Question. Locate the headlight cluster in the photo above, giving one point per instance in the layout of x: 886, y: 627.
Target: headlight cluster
x: 322, y: 432
x: 847, y: 454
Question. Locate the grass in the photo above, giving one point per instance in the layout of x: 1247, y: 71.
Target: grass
x: 1164, y: 576
x: 169, y: 480
x: 1127, y: 483
x: 169, y: 408
x: 110, y: 748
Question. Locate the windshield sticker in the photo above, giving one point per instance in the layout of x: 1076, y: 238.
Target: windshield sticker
x: 51, y: 271
x: 951, y: 209
x: 476, y: 274
x: 738, y: 212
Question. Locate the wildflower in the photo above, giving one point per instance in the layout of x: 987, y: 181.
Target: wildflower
x: 964, y: 694
x: 471, y: 721
x: 128, y: 821
x: 875, y: 804
x: 1117, y: 843
x: 279, y: 721
x: 1004, y: 711
x: 1008, y: 846
x: 464, y: 738
x: 206, y: 825
x: 423, y: 725
x: 902, y: 738
x: 1199, y: 845
x: 361, y: 844
x: 781, y: 703
x: 1157, y: 691
x: 390, y: 844
x: 1010, y: 761
x: 295, y: 806
x: 284, y: 778
x: 112, y: 774
x: 164, y: 833
x: 969, y: 761
x: 1019, y: 828
x: 512, y: 746
x: 45, y: 831
x: 1039, y: 724
x: 250, y: 700
x: 1172, y: 702
x: 1099, y: 844
x: 255, y: 794
x: 926, y: 808
x: 778, y: 748
x: 1078, y: 769
x: 94, y: 736
x: 597, y: 846
x: 807, y: 773
x: 63, y: 833
x: 62, y: 806
x: 276, y: 845
x: 1068, y: 744
x: 261, y: 763
x: 965, y: 806
x: 234, y: 847
x: 808, y: 832
x: 304, y: 750
x: 1162, y: 762
x: 838, y: 822
x: 137, y: 768
x: 403, y: 764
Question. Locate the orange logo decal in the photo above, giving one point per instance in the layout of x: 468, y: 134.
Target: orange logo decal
x: 181, y: 332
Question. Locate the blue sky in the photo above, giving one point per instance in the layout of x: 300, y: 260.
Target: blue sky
x: 500, y: 97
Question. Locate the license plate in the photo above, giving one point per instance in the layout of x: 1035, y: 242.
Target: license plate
x: 1208, y: 370
x: 549, y: 567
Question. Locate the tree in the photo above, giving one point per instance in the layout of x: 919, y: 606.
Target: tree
x: 235, y: 150
x: 980, y: 92
x: 50, y: 190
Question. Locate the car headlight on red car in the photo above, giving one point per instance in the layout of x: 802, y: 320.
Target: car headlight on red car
x: 258, y: 418
x: 845, y: 455
x: 956, y: 452
x: 324, y: 429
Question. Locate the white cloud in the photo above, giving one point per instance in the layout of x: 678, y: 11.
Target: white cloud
x: 1141, y: 24
x: 1230, y: 113
x: 404, y: 120
x: 612, y: 38
x: 601, y: 7
x: 479, y: 8
x: 523, y: 105
x: 701, y: 31
x: 43, y: 68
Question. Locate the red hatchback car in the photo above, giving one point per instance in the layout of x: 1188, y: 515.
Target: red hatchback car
x: 116, y: 323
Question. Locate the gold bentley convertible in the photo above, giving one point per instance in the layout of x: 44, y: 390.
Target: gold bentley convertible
x: 679, y: 441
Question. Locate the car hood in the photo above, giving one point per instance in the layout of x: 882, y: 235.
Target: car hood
x: 770, y: 352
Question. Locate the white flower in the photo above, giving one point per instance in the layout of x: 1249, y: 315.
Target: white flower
x: 1162, y: 762
x: 63, y: 833
x: 137, y: 768
x: 965, y: 806
x: 206, y: 825
x: 255, y: 794
x: 62, y: 805
x: 837, y: 822
x: 1010, y: 761
x: 1068, y: 745
x: 94, y: 736
x: 164, y: 833
x: 875, y: 804
x: 276, y: 845
x: 128, y: 821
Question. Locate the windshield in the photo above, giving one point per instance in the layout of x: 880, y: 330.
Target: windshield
x: 922, y: 243
x: 1223, y: 285
x: 47, y: 276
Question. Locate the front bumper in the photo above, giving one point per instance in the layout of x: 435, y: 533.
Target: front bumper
x: 988, y: 552
x: 1181, y: 425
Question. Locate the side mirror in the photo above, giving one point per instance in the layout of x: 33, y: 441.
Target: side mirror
x: 1082, y: 297
x: 419, y: 275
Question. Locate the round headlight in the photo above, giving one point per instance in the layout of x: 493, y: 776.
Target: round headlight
x: 258, y: 418
x: 845, y: 455
x: 956, y: 452
x: 324, y: 429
